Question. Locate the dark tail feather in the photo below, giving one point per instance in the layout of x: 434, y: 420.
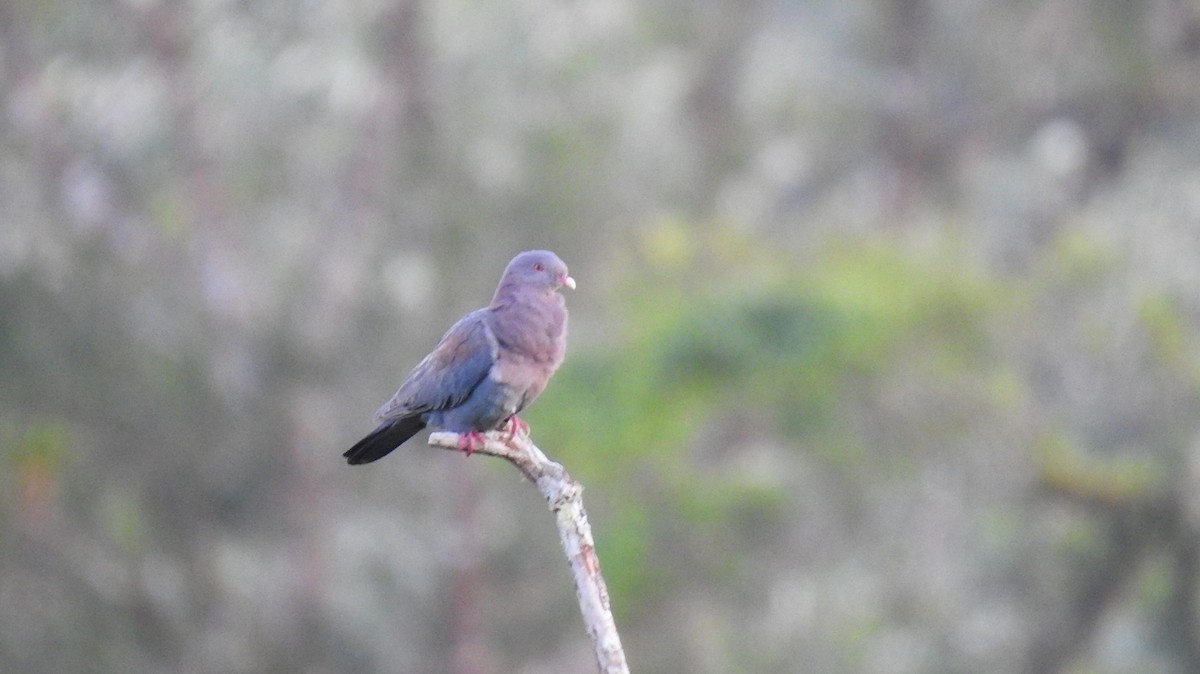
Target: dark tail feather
x: 388, y: 436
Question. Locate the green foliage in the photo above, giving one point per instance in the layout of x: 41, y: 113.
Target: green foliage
x: 1078, y: 257
x: 1113, y: 481
x: 721, y: 329
x: 122, y: 515
x: 44, y: 442
x: 1170, y: 335
x: 34, y: 459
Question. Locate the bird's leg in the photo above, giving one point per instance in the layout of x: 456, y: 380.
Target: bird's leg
x: 516, y: 425
x: 469, y: 442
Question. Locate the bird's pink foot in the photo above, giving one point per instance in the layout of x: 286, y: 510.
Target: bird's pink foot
x: 514, y: 426
x: 470, y: 442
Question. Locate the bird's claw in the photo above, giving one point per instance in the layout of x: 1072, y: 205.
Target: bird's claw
x: 514, y: 426
x: 475, y: 440
x: 470, y: 442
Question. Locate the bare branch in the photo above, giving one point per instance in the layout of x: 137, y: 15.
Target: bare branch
x: 565, y: 498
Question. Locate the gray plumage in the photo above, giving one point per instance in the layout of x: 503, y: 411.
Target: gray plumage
x: 489, y: 366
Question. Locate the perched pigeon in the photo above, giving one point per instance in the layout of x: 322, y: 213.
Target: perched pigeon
x: 490, y: 365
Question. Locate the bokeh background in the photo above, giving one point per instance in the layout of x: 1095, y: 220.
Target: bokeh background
x: 884, y: 358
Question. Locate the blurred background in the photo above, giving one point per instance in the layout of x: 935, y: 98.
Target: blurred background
x: 884, y: 357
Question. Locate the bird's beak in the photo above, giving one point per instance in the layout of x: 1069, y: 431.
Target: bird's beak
x: 567, y: 281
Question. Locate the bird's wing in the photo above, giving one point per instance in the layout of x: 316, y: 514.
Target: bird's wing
x: 449, y: 374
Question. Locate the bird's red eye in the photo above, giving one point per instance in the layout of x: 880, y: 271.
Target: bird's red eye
x: 539, y: 267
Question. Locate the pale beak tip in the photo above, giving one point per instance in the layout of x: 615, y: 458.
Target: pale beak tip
x: 569, y: 282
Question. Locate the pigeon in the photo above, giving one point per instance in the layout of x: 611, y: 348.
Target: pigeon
x: 489, y: 366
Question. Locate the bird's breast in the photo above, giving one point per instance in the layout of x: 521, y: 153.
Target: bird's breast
x: 521, y: 373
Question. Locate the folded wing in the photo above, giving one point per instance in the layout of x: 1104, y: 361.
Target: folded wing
x: 443, y: 380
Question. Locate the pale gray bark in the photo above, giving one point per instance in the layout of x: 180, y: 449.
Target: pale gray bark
x: 565, y: 498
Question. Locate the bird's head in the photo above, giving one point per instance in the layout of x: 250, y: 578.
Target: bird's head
x: 539, y: 269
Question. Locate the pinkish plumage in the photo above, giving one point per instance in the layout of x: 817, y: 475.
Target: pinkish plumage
x: 489, y: 366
